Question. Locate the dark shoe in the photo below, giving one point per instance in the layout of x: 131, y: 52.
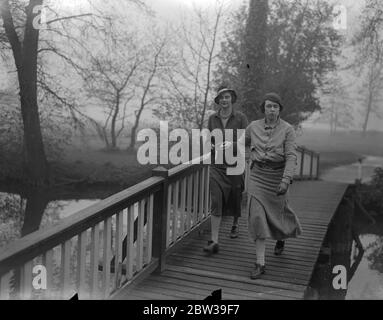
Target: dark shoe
x: 279, y: 247
x: 211, y: 247
x: 258, y: 271
x: 234, y: 232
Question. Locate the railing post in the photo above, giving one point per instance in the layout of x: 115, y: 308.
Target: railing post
x: 318, y: 158
x: 160, y: 212
x: 311, y: 165
x: 302, y: 162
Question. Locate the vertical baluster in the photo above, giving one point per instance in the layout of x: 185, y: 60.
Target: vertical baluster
x: 26, y: 283
x: 189, y: 202
x: 302, y: 163
x: 48, y: 264
x: 195, y: 200
x: 207, y: 190
x: 201, y: 192
x: 81, y: 260
x: 129, y: 245
x: 5, y: 286
x: 182, y: 206
x: 175, y: 212
x: 170, y: 188
x: 107, y: 254
x: 65, y: 268
x: 311, y: 164
x: 298, y: 166
x: 118, y: 253
x: 149, y: 228
x: 94, y: 260
x: 140, y: 235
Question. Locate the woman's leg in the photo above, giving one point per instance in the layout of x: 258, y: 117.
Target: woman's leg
x: 216, y: 217
x: 215, y: 224
x: 260, y: 247
x: 259, y: 269
x: 237, y: 206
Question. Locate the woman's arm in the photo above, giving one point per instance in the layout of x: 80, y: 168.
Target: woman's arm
x: 290, y: 155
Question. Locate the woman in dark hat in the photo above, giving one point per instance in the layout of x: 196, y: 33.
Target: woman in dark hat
x: 226, y: 190
x: 273, y: 155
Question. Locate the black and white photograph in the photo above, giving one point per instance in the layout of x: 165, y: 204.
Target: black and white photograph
x: 191, y: 154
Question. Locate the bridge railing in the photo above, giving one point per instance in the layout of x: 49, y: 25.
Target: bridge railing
x: 307, y: 164
x: 117, y: 241
x: 112, y: 243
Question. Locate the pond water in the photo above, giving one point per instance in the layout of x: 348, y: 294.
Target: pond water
x: 361, y: 252
x: 367, y: 282
x: 16, y: 220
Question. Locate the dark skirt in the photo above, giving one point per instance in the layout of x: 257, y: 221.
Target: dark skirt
x: 270, y: 216
x: 226, y: 192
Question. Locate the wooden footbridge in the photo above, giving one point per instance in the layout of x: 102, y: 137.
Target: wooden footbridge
x: 146, y: 243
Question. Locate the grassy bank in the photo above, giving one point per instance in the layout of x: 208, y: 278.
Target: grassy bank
x: 334, y: 159
x: 85, y: 162
x: 343, y: 148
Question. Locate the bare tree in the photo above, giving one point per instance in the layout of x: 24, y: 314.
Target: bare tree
x: 109, y: 79
x: 368, y: 64
x: 33, y: 52
x: 148, y: 87
x: 337, y: 106
x: 190, y: 80
x: 371, y: 92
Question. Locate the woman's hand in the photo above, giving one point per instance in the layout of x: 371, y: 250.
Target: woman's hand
x: 225, y: 145
x: 282, y: 188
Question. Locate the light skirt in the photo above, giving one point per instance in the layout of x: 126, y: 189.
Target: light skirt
x: 269, y: 216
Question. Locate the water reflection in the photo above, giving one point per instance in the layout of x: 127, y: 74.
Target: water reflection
x: 354, y: 242
x: 367, y: 282
x: 25, y: 211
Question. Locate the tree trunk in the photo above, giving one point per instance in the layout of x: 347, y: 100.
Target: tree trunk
x: 133, y: 136
x: 25, y: 56
x: 36, y: 165
x: 114, y: 120
x: 255, y: 56
x: 368, y: 111
x: 37, y: 202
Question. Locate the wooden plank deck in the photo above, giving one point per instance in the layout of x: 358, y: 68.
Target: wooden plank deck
x: 191, y: 274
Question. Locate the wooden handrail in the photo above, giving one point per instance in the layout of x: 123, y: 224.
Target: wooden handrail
x: 30, y: 246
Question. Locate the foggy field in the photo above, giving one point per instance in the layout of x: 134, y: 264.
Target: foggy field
x: 85, y: 158
x: 322, y: 141
x: 343, y: 148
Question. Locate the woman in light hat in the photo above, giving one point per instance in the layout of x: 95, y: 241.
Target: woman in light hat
x: 226, y: 190
x: 273, y: 155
